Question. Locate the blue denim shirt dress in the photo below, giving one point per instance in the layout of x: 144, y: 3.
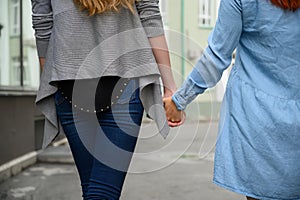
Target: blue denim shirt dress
x: 258, y: 147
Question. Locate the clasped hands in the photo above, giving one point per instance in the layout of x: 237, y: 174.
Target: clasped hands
x: 175, y: 117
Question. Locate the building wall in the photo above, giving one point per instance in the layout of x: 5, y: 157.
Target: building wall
x: 187, y: 39
x: 21, y: 125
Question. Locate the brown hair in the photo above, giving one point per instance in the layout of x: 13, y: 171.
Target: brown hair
x: 287, y: 4
x: 100, y: 6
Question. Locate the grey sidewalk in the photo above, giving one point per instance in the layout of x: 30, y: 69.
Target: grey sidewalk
x: 180, y: 167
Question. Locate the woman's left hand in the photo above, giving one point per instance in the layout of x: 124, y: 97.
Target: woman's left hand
x: 175, y: 117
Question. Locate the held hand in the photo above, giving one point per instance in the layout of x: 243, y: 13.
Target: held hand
x: 176, y: 124
x: 168, y: 92
x: 175, y: 117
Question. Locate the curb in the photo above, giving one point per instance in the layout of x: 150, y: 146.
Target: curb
x: 15, y: 166
x: 57, y: 153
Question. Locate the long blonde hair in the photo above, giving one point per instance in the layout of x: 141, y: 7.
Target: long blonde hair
x: 100, y: 6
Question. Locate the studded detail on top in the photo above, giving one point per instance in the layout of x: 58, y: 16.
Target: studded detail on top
x: 118, y: 90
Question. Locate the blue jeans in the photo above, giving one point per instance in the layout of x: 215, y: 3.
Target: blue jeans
x: 97, y: 147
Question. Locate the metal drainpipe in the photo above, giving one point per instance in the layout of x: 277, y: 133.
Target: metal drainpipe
x: 21, y: 45
x: 182, y: 41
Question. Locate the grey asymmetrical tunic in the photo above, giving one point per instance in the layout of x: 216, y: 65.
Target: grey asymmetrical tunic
x: 78, y: 46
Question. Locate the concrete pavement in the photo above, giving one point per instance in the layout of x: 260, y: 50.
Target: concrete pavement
x: 180, y: 167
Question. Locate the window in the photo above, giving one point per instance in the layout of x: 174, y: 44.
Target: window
x: 15, y: 18
x: 206, y: 13
x: 19, y: 65
x: 15, y: 71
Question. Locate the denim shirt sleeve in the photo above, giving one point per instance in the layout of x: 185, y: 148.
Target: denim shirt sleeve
x: 42, y: 21
x: 150, y: 16
x: 217, y: 55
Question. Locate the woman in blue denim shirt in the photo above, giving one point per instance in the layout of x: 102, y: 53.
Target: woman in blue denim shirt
x: 258, y: 147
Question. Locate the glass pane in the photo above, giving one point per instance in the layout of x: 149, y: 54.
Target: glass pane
x: 9, y: 43
x: 202, y: 5
x: 163, y: 10
x: 31, y: 73
x: 10, y: 60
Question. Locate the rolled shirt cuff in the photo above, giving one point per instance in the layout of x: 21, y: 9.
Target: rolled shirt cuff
x: 179, y: 102
x: 186, y: 94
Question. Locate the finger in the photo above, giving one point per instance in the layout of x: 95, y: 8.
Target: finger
x: 180, y: 123
x: 164, y: 102
x: 183, y: 118
x: 165, y: 99
x: 172, y: 124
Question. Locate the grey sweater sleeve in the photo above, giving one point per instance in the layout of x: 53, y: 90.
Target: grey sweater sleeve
x: 42, y: 21
x: 150, y: 16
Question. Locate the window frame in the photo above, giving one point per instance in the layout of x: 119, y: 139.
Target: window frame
x: 15, y: 18
x: 206, y: 13
x: 163, y: 6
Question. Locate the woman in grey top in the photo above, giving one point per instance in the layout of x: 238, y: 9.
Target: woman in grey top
x: 120, y: 41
